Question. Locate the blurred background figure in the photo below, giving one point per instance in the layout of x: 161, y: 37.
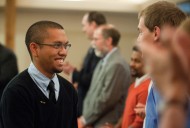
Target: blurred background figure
x: 90, y: 22
x: 175, y: 81
x: 104, y: 102
x: 136, y: 64
x: 137, y: 94
x: 157, y: 25
x: 8, y: 67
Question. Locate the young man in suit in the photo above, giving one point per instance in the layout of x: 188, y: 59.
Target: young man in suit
x: 38, y: 97
x: 105, y: 99
x: 8, y: 67
x: 83, y: 77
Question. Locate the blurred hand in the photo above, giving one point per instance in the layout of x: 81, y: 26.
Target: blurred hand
x: 107, y: 125
x: 68, y: 68
x: 80, y: 123
x: 173, y: 117
x: 119, y: 123
x: 140, y: 110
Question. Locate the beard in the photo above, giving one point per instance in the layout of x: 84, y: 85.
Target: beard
x: 57, y: 71
x: 98, y: 53
x: 136, y: 73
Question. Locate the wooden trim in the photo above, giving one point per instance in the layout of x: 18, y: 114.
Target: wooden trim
x: 10, y: 14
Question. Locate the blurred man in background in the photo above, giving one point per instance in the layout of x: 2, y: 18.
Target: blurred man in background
x: 105, y: 99
x: 137, y: 93
x: 90, y: 22
x: 8, y: 67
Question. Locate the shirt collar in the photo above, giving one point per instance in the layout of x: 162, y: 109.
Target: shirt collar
x: 108, y: 55
x: 41, y: 79
x: 138, y: 81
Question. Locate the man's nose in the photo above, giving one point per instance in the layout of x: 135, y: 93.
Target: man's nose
x: 63, y: 51
x: 132, y: 64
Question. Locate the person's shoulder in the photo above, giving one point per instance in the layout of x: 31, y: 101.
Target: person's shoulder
x: 6, y: 53
x: 18, y: 80
x: 18, y: 85
x: 116, y: 57
x: 144, y: 85
x: 5, y: 49
x: 19, y: 89
x: 119, y: 61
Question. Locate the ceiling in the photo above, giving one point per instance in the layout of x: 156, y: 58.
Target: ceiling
x: 129, y: 6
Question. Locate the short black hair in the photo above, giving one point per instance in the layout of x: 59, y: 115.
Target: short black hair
x: 38, y: 31
x: 97, y: 17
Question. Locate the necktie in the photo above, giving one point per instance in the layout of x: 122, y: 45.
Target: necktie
x: 51, y: 89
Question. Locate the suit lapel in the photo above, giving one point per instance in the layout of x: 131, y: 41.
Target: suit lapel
x: 101, y: 68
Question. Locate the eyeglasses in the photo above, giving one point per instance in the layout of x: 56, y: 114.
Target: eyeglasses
x: 66, y: 46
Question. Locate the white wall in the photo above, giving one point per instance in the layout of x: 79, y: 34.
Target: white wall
x: 71, y: 21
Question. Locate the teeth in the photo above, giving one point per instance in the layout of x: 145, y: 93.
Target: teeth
x: 61, y: 61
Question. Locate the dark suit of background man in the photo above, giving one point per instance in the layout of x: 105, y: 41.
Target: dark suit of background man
x: 83, y: 77
x: 8, y: 67
x: 38, y: 97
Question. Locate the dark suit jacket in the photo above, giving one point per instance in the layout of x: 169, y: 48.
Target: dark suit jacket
x: 8, y: 67
x: 84, y: 76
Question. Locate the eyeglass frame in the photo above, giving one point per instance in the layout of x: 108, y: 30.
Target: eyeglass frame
x: 57, y: 45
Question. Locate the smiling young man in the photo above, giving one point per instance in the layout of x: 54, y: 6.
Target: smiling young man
x: 38, y: 97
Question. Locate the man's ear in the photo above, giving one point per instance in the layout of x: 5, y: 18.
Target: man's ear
x: 157, y: 33
x: 33, y: 49
x: 109, y: 41
x: 93, y: 23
